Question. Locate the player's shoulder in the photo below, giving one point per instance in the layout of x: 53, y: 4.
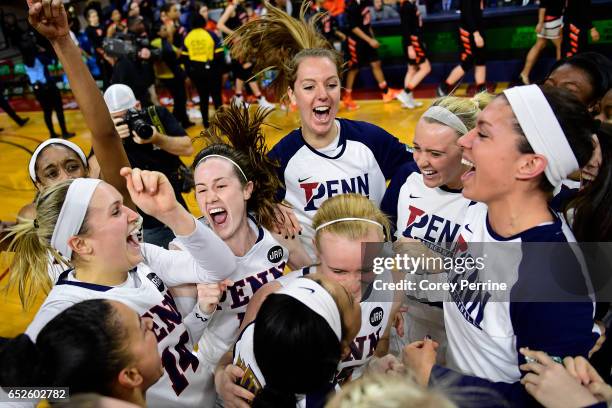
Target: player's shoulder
x: 288, y: 146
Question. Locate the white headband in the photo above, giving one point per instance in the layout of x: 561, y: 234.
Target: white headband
x: 317, y: 299
x: 542, y: 130
x: 223, y: 157
x: 446, y: 117
x: 68, y: 144
x: 349, y: 219
x: 72, y: 213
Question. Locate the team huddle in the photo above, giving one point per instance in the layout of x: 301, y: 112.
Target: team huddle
x: 270, y: 298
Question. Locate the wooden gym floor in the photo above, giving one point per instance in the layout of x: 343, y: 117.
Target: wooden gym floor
x: 17, y: 145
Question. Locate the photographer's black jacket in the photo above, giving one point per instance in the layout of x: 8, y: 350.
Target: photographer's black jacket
x: 149, y: 157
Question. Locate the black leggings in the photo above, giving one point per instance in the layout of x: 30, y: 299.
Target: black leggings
x: 50, y: 100
x: 176, y: 87
x: 5, y: 106
x: 206, y: 77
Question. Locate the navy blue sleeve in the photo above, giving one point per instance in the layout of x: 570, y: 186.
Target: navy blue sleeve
x: 391, y: 197
x: 508, y: 394
x: 171, y: 125
x: 550, y: 309
x: 282, y: 152
x: 389, y: 152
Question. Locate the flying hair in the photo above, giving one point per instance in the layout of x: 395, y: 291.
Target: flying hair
x: 280, y: 42
x: 236, y: 134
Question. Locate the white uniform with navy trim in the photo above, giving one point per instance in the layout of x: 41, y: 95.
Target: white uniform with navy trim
x: 263, y: 263
x: 146, y: 292
x: 359, y: 161
x: 376, y: 308
x: 486, y: 327
x: 434, y: 216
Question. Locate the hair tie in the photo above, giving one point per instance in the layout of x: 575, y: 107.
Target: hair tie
x: 36, y: 223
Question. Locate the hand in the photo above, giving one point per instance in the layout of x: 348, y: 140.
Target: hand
x: 152, y: 193
x: 398, y: 321
x: 411, y: 52
x: 144, y: 54
x: 600, y: 341
x: 388, y: 364
x: 582, y: 370
x: 539, y: 28
x: 122, y: 128
x: 153, y: 139
x: 290, y: 226
x: 420, y: 357
x: 209, y: 295
x: 374, y: 43
x: 478, y: 40
x: 551, y: 384
x: 595, y: 34
x: 49, y: 18
x: 234, y: 396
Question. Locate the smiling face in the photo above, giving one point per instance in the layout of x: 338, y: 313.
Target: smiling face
x: 221, y: 196
x: 491, y: 151
x: 341, y: 259
x: 111, y: 235
x: 437, y: 154
x: 316, y: 92
x: 57, y: 163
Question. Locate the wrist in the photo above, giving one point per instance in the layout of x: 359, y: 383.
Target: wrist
x: 157, y: 137
x: 61, y: 41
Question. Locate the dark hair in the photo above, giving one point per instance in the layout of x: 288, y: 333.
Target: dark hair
x: 198, y: 21
x: 575, y: 121
x: 287, y: 330
x: 155, y: 29
x: 592, y: 216
x: 246, y: 147
x: 597, y: 67
x: 166, y: 6
x: 82, y: 348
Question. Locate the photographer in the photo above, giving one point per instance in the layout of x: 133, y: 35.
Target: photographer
x: 129, y: 54
x: 153, y: 140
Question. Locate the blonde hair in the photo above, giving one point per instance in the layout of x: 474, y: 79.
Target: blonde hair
x: 466, y: 109
x: 387, y: 391
x: 280, y: 42
x: 31, y: 243
x: 348, y: 205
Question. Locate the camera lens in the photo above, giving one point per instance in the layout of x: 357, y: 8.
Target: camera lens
x: 143, y: 130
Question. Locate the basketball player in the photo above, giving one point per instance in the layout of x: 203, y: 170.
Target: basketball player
x: 472, y: 45
x: 344, y: 223
x: 484, y: 334
x: 362, y: 47
x: 578, y: 24
x: 326, y: 156
x: 234, y: 16
x: 416, y: 52
x: 425, y: 203
x: 550, y: 24
x: 84, y: 221
x: 235, y: 187
x: 95, y: 346
x: 311, y: 305
x: 54, y: 160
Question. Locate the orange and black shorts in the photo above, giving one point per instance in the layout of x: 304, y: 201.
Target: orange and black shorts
x: 470, y: 54
x: 420, y: 50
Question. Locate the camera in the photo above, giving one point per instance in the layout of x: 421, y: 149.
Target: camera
x: 125, y: 45
x: 137, y: 121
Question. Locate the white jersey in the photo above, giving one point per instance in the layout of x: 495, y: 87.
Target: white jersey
x: 486, y: 325
x: 263, y: 263
x: 359, y: 161
x: 376, y: 308
x: 146, y: 292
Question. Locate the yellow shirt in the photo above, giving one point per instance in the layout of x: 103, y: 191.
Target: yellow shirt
x: 200, y: 45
